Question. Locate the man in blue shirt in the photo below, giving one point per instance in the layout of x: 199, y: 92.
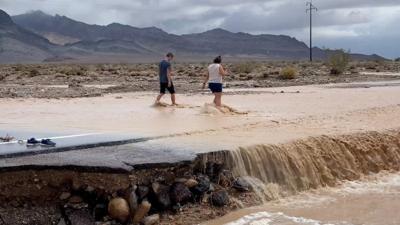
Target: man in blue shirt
x: 166, y: 78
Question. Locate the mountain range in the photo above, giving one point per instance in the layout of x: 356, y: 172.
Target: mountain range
x: 36, y: 36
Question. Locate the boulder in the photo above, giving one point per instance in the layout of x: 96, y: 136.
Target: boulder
x: 191, y: 183
x: 203, y: 185
x: 99, y: 212
x: 241, y: 185
x: 141, y: 212
x: 75, y: 200
x: 118, y: 209
x: 162, y: 195
x: 156, y: 187
x: 180, y: 193
x: 219, y: 199
x: 142, y: 191
x: 151, y: 220
x: 65, y: 196
x: 181, y: 180
x: 133, y: 202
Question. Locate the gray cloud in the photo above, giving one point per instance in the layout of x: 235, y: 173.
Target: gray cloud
x: 366, y: 26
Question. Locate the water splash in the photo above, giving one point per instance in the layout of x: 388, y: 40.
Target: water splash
x: 266, y: 218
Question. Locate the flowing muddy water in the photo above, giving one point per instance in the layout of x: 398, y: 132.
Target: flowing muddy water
x: 373, y: 200
x: 278, y: 172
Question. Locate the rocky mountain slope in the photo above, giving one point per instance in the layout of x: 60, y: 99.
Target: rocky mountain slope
x: 60, y: 37
x: 19, y: 44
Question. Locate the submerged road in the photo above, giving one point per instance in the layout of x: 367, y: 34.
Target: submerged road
x: 124, y: 131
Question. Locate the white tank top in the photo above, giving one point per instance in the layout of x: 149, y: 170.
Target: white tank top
x: 213, y: 71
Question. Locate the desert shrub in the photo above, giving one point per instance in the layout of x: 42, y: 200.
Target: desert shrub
x: 18, y: 67
x: 76, y: 72
x: 244, y: 67
x: 338, y: 62
x: 397, y: 59
x: 288, y: 73
x: 371, y: 66
x: 34, y: 73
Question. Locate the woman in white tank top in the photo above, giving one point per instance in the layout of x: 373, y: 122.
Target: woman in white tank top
x: 214, y: 77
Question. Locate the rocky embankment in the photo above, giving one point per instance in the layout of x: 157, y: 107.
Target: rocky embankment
x: 210, y: 186
x: 174, y: 195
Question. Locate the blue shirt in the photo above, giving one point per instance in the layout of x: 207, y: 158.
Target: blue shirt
x: 164, y: 66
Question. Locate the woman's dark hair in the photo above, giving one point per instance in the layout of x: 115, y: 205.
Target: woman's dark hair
x: 218, y: 60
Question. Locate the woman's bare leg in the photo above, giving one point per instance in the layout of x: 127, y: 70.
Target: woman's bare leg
x: 218, y: 99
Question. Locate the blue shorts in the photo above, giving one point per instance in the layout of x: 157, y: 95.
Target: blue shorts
x: 215, y: 87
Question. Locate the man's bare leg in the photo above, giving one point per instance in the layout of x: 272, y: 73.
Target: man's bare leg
x: 173, y: 99
x: 159, y: 98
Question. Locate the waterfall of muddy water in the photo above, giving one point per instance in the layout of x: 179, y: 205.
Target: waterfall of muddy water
x: 277, y: 171
x: 372, y: 200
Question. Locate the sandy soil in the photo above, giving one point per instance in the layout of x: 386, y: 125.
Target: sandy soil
x: 90, y: 80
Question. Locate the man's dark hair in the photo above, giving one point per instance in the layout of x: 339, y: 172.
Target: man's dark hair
x: 170, y: 55
x: 218, y: 60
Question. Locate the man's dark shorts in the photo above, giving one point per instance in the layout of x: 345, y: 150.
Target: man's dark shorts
x: 164, y: 86
x: 215, y: 87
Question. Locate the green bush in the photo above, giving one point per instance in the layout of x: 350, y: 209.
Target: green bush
x: 288, y: 73
x: 338, y: 62
x: 397, y: 59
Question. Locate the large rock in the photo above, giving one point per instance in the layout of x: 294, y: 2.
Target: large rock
x: 180, y: 193
x: 142, y: 192
x: 162, y: 195
x: 133, y: 202
x: 141, y: 212
x: 203, y: 185
x: 118, y: 209
x: 75, y: 200
x: 191, y: 183
x: 99, y: 212
x: 151, y: 220
x: 220, y: 198
x: 241, y: 185
x: 65, y: 196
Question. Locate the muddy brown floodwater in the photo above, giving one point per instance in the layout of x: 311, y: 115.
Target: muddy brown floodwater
x: 313, y: 155
x: 372, y: 200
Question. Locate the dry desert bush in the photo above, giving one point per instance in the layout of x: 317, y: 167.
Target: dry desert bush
x: 288, y: 73
x: 339, y: 61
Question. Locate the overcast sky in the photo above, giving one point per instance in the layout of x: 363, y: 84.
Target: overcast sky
x: 365, y: 26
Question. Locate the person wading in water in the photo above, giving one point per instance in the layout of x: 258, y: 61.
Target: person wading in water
x: 166, y: 83
x: 214, y: 78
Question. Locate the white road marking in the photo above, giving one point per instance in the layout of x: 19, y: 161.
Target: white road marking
x: 53, y: 138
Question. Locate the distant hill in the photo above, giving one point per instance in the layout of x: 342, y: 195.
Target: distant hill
x: 19, y: 44
x: 63, y: 37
